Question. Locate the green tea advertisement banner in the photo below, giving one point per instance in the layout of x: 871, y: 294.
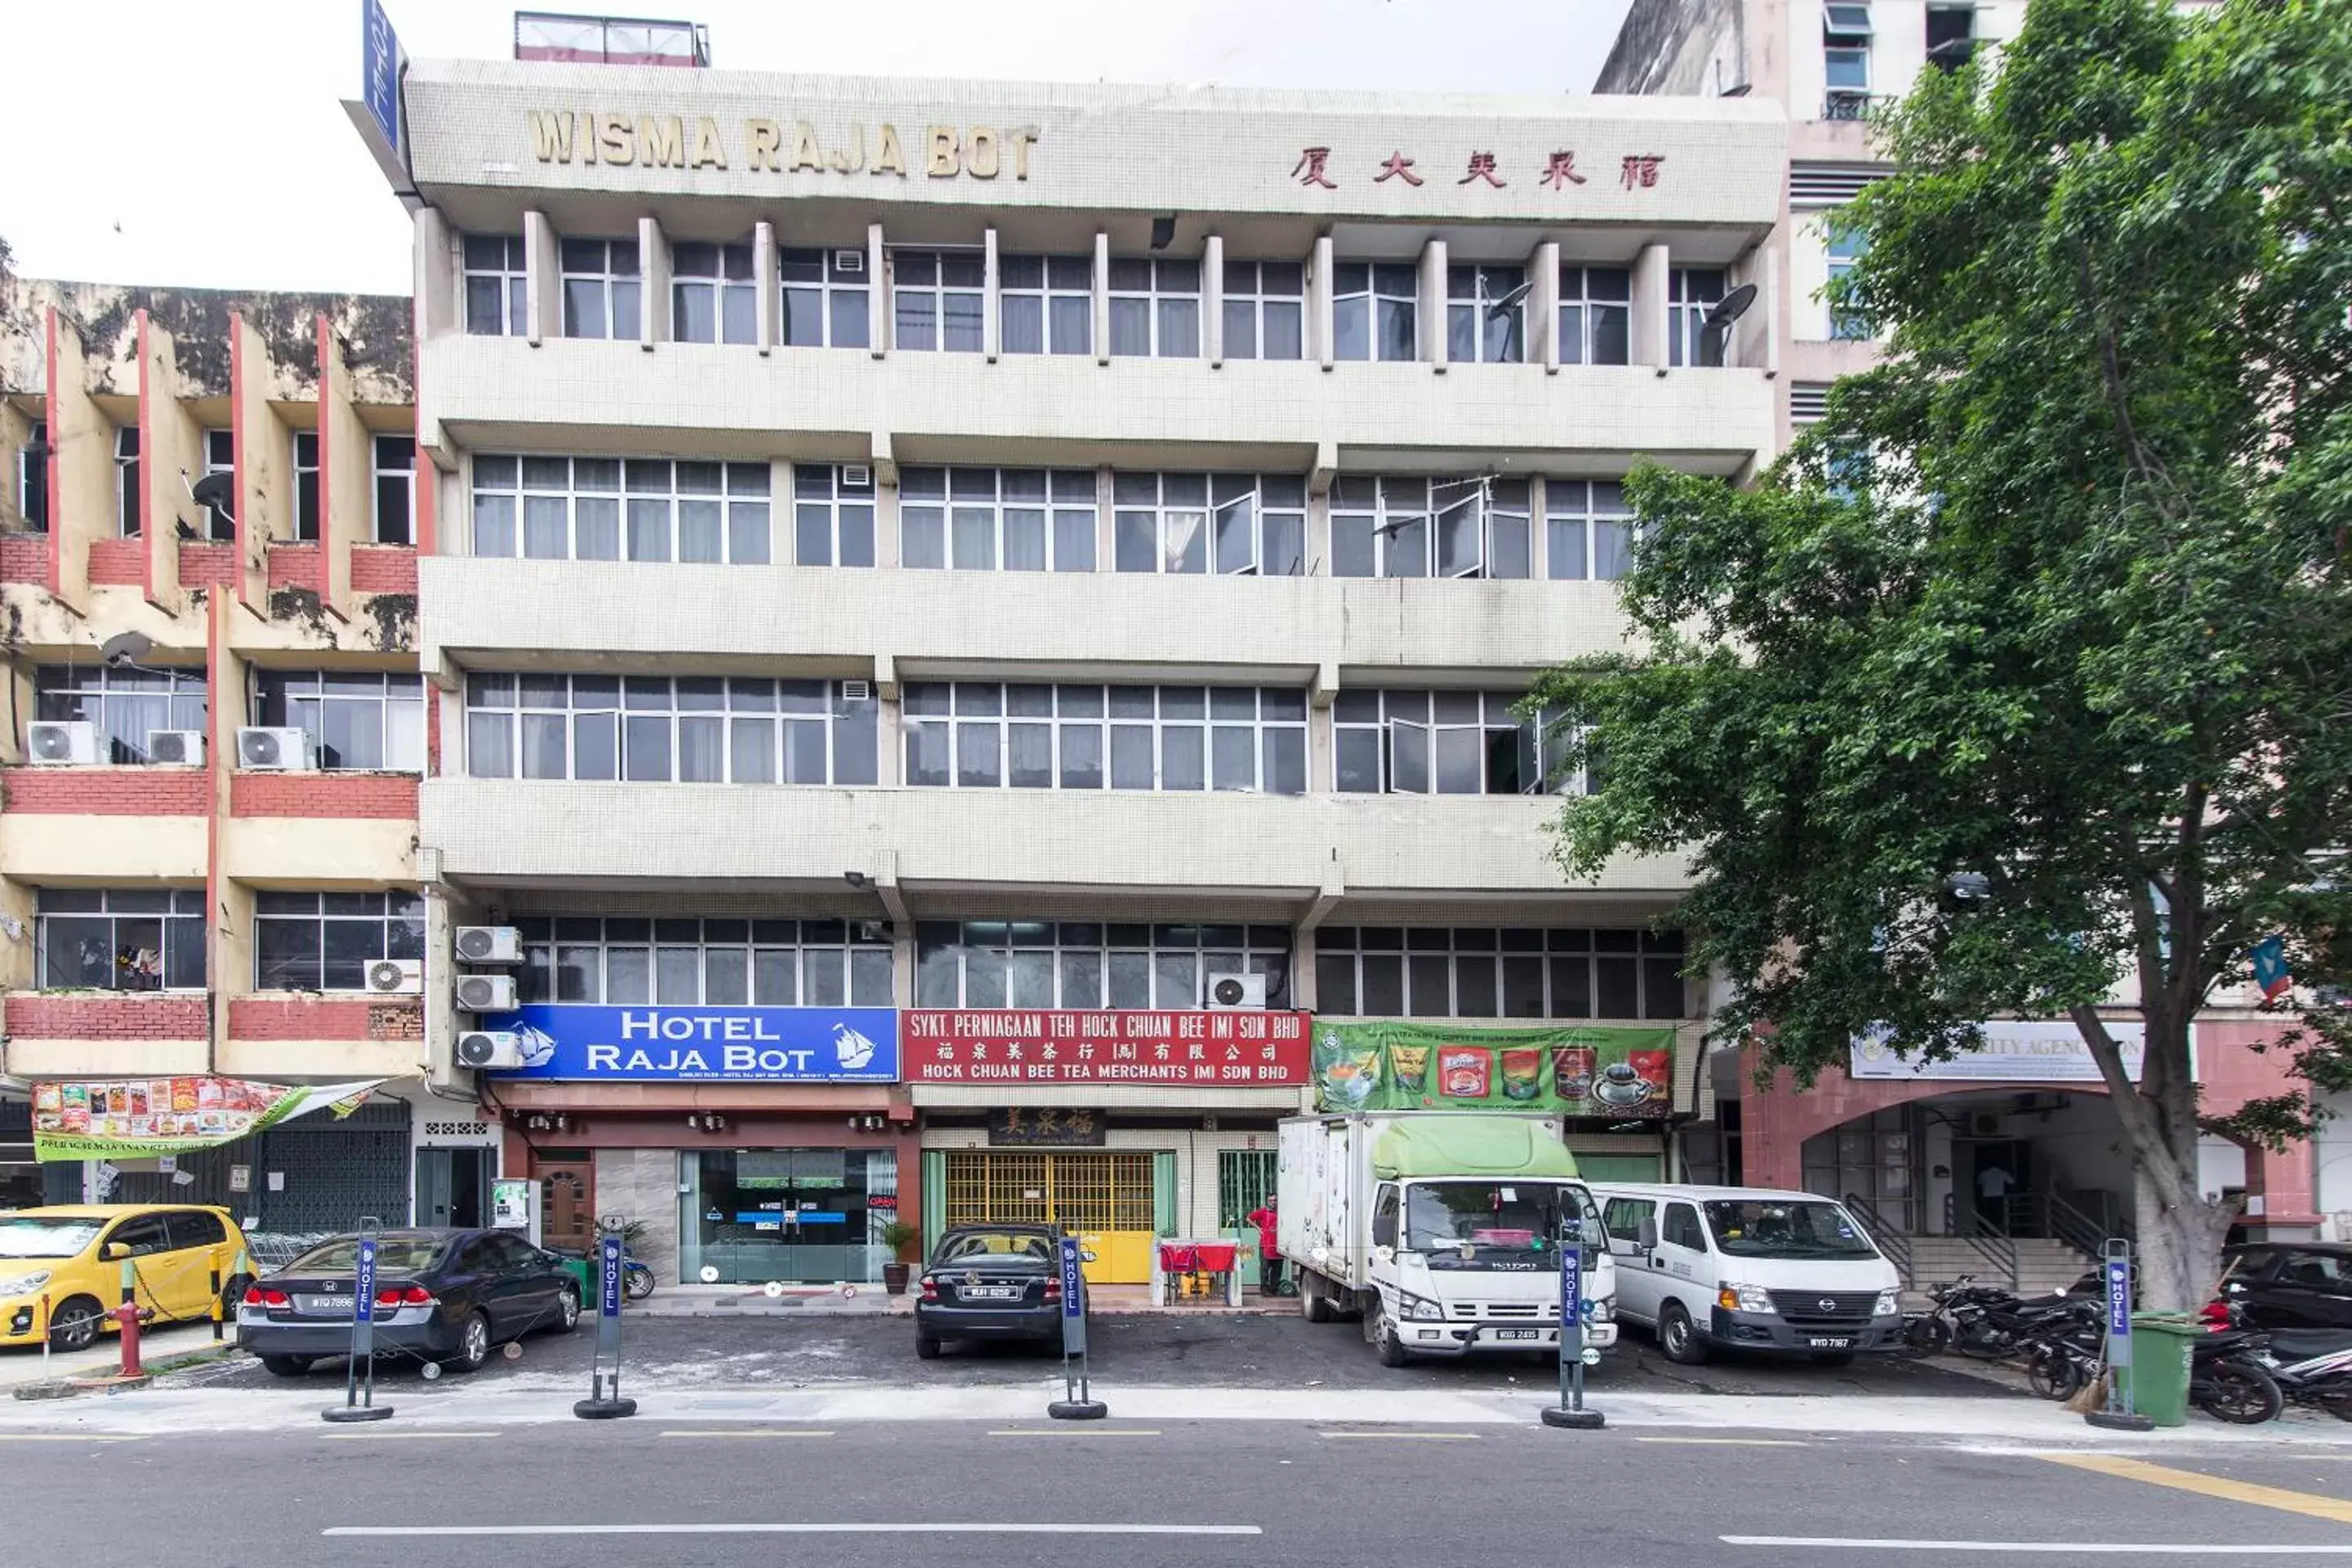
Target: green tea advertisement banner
x: 1392, y: 1065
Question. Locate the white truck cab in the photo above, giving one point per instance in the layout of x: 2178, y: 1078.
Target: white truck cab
x: 1749, y: 1268
x: 1441, y: 1230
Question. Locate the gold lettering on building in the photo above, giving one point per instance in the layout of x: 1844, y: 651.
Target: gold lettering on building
x: 763, y: 137
x: 942, y: 162
x: 661, y: 141
x: 849, y: 163
x: 1023, y: 138
x: 979, y: 152
x: 617, y: 138
x: 805, y: 152
x: 550, y: 135
x: 708, y: 152
x: 890, y: 158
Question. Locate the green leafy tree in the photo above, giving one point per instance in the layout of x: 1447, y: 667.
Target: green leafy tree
x: 2022, y: 682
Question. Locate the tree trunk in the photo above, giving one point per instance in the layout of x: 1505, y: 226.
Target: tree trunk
x: 2178, y: 1259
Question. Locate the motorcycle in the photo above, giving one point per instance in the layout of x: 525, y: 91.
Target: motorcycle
x: 2063, y: 1348
x: 2311, y: 1367
x: 2228, y: 1379
x: 1992, y: 1324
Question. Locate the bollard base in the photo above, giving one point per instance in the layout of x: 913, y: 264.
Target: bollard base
x: 1077, y: 1410
x: 341, y: 1413
x: 604, y: 1409
x: 1579, y: 1420
x: 54, y: 1389
x: 2117, y: 1421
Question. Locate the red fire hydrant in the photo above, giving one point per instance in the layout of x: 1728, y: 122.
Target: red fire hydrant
x: 126, y: 1317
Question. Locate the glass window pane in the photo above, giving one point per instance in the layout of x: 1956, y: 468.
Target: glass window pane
x: 1181, y: 763
x: 648, y: 746
x: 1235, y: 757
x: 1285, y: 762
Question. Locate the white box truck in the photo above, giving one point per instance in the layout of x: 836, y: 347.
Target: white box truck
x: 1441, y: 1229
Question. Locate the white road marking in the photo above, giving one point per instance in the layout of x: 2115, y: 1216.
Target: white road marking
x: 751, y: 1432
x: 1076, y: 1432
x: 67, y: 1438
x: 1420, y: 1436
x: 2052, y: 1548
x: 400, y: 1437
x: 1730, y: 1442
x: 796, y: 1529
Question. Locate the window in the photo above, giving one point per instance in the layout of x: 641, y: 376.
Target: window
x: 1155, y: 308
x: 120, y: 939
x: 1047, y: 303
x: 1265, y: 309
x: 1373, y: 308
x: 935, y: 296
x: 144, y: 1236
x: 1229, y: 524
x: 357, y: 721
x: 1952, y: 35
x: 654, y: 727
x: 1050, y: 963
x: 825, y: 298
x: 832, y: 518
x: 1480, y: 972
x: 1486, y: 314
x: 496, y: 303
x: 1681, y: 1228
x: 1842, y: 247
x: 1422, y: 528
x: 1623, y: 1218
x: 1692, y: 291
x: 195, y: 1227
x: 126, y: 704
x: 324, y: 942
x: 1441, y: 742
x: 714, y: 297
x: 1596, y: 314
x: 32, y: 479
x: 601, y: 288
x: 990, y: 520
x: 306, y: 485
x: 576, y: 508
x: 395, y: 489
x: 1589, y: 530
x: 1845, y: 60
x: 623, y: 960
x: 126, y: 481
x: 220, y: 458
x: 981, y: 735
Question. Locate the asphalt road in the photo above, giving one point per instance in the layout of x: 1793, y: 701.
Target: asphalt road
x: 1165, y: 1349
x: 655, y: 1492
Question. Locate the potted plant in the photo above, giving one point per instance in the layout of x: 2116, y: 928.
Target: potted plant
x: 897, y: 1236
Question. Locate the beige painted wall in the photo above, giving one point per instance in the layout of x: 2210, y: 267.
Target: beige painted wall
x: 100, y: 851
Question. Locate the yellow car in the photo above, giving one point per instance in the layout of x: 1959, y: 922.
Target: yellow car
x: 74, y: 1254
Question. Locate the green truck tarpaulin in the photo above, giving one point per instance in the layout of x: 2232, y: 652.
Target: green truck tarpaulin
x: 1469, y: 1146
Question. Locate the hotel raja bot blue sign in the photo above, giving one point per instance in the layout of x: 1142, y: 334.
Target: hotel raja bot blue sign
x: 656, y: 1044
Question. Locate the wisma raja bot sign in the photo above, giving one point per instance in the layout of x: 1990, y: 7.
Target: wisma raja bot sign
x: 667, y: 1045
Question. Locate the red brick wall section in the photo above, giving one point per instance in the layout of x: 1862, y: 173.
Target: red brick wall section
x: 391, y: 796
x: 25, y: 558
x: 89, y: 1016
x: 208, y: 566
x: 324, y: 1018
x: 298, y: 566
x: 118, y: 562
x: 109, y: 791
x: 383, y: 569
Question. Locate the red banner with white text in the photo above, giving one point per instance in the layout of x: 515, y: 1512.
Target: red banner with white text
x: 1178, y: 1050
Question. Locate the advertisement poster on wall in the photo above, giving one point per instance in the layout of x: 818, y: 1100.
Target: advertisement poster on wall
x: 658, y: 1043
x: 143, y: 1118
x: 1389, y: 1063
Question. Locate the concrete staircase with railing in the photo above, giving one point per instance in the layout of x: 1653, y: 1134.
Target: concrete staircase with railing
x: 2044, y: 1265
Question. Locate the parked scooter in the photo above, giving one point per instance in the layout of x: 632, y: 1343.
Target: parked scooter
x: 2228, y: 1379
x: 2312, y: 1367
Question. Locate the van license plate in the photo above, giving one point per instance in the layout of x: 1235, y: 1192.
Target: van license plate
x: 1821, y: 1344
x: 1518, y: 1333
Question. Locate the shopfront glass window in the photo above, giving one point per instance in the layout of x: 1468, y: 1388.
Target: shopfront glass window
x: 799, y: 1215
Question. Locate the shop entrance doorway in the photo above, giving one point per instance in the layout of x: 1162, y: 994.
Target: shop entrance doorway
x: 567, y: 1197
x: 452, y: 1187
x: 1108, y: 1200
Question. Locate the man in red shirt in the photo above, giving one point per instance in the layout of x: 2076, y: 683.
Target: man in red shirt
x: 1269, y: 1257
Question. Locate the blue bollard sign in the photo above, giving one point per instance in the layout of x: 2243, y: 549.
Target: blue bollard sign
x: 364, y: 1291
x: 1073, y: 1296
x: 605, y: 1400
x: 2118, y: 1273
x: 359, y: 1398
x: 1571, y: 1410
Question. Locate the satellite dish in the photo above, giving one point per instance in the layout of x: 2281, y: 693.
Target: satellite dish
x: 216, y: 491
x: 1508, y: 301
x: 125, y: 649
x: 1731, y: 308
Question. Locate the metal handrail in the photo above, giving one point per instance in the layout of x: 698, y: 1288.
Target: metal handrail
x: 1995, y: 1248
x: 2078, y: 1229
x: 1890, y: 1240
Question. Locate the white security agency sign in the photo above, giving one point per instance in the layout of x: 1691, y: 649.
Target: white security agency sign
x: 2014, y: 1052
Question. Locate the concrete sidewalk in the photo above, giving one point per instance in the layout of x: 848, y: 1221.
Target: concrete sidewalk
x: 25, y: 1364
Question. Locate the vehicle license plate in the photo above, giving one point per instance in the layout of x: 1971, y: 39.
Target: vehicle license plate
x: 1821, y: 1344
x: 323, y: 1306
x: 992, y: 1292
x: 1518, y: 1333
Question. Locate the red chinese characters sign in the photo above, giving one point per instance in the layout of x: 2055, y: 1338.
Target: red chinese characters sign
x: 1180, y: 1049
x: 1320, y: 166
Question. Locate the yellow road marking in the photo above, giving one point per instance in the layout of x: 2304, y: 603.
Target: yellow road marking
x: 1424, y: 1437
x: 753, y: 1432
x: 1729, y: 1442
x: 1076, y: 1432
x: 2336, y: 1508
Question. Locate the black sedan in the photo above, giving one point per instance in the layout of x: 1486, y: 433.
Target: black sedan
x: 2291, y: 1284
x: 442, y: 1296
x: 990, y: 1282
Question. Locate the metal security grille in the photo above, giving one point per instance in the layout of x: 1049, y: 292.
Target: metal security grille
x: 1077, y: 1192
x: 1245, y: 1177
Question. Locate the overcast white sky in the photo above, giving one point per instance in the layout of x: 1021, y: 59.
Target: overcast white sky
x: 203, y: 143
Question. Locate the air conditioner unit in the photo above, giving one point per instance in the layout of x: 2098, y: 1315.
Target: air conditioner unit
x: 70, y: 743
x: 274, y: 750
x: 849, y: 261
x: 396, y: 976
x: 858, y: 476
x: 858, y: 691
x: 1227, y: 992
x: 182, y: 747
x: 1985, y: 1125
x: 489, y: 944
x: 489, y: 1048
x: 486, y: 993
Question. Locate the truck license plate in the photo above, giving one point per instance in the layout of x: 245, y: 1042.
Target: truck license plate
x: 1518, y: 1333
x: 1822, y: 1344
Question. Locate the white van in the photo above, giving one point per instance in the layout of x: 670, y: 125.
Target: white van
x: 1749, y: 1268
